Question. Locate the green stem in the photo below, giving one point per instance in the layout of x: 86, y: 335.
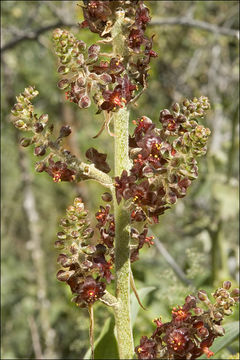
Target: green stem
x: 122, y: 217
x: 122, y: 238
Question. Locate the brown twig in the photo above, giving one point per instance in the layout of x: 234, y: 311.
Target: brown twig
x: 33, y: 35
x: 203, y: 25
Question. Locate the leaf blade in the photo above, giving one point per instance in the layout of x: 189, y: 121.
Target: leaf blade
x: 135, y: 307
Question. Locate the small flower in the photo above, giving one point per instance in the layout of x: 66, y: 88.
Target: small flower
x: 89, y: 291
x: 179, y: 314
x: 59, y: 171
x: 147, y: 348
x: 123, y: 186
x: 135, y: 39
x: 98, y: 159
x: 177, y: 340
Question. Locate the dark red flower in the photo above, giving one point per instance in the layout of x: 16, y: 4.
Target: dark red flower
x: 106, y: 225
x: 179, y: 314
x: 59, y: 171
x: 99, y: 10
x: 104, y: 267
x: 143, y: 124
x: 138, y: 215
x: 103, y: 215
x: 96, y: 14
x: 98, y: 159
x: 135, y: 39
x: 147, y: 348
x: 89, y: 291
x: 142, y: 16
x: 126, y: 87
x: 123, y: 186
x: 176, y: 340
x: 113, y: 99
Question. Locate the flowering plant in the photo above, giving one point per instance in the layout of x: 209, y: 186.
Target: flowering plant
x: 153, y: 168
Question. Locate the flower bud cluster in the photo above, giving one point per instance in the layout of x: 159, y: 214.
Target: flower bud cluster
x: 25, y: 119
x: 164, y: 160
x: 192, y: 329
x: 85, y: 263
x: 111, y: 84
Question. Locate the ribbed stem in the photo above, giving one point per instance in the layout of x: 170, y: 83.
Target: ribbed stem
x: 122, y: 252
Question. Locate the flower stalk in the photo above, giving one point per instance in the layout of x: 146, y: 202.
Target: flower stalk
x: 122, y: 240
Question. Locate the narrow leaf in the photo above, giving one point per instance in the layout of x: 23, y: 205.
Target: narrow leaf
x: 134, y: 302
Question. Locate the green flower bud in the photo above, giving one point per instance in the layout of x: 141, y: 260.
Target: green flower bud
x: 25, y: 142
x: 57, y: 34
x: 20, y: 124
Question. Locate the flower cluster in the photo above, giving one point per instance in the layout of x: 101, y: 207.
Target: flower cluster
x: 100, y: 16
x: 84, y: 261
x: 164, y: 160
x: 25, y: 119
x: 85, y: 70
x: 192, y: 330
x: 140, y: 240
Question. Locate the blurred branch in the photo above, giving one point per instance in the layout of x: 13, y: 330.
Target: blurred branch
x: 185, y: 21
x: 197, y: 24
x: 35, y: 246
x: 33, y: 35
x: 170, y: 260
x: 35, y: 338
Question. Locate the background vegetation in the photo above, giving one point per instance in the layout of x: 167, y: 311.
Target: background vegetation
x: 196, y: 242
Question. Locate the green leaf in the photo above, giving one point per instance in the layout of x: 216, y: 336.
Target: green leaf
x: 105, y: 347
x: 135, y: 307
x: 231, y: 333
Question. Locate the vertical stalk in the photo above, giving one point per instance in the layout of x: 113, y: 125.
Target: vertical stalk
x: 122, y: 252
x: 122, y: 218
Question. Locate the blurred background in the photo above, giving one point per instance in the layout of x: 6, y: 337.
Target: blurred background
x: 196, y: 242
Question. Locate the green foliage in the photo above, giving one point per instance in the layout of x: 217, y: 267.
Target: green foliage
x: 105, y: 347
x: 135, y: 307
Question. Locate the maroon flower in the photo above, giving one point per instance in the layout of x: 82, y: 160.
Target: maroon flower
x: 99, y: 10
x: 96, y: 14
x: 142, y: 17
x: 136, y: 39
x: 113, y: 99
x: 59, y: 171
x: 138, y: 215
x: 99, y: 159
x: 123, y: 186
x: 179, y: 314
x: 143, y: 125
x: 104, y: 267
x: 126, y: 87
x: 147, y: 348
x: 89, y: 291
x: 103, y: 215
x: 106, y: 225
x: 177, y: 340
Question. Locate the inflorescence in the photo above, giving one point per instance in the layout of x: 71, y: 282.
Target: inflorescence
x: 192, y: 329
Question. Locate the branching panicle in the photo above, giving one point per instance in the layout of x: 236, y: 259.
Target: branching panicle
x: 164, y: 163
x: 192, y: 329
x: 153, y: 168
x: 86, y: 262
